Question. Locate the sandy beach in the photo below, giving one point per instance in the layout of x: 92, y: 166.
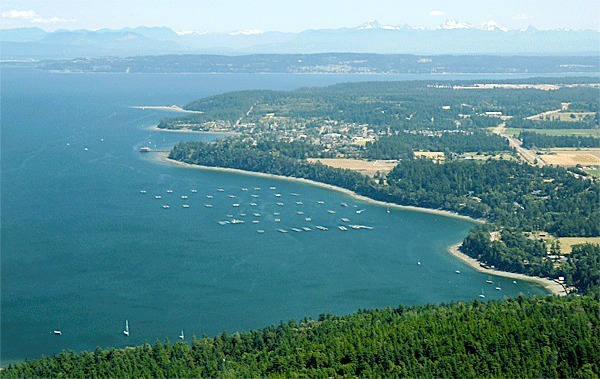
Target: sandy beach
x: 552, y: 286
x: 170, y: 108
x: 211, y: 131
x: 165, y: 158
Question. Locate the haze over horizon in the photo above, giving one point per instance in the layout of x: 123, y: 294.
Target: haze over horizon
x: 230, y: 16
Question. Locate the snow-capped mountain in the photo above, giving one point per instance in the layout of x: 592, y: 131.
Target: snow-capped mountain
x: 454, y: 37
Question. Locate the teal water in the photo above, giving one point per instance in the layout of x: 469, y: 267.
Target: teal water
x: 83, y: 250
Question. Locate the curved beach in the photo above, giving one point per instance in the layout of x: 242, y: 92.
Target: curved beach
x: 553, y: 287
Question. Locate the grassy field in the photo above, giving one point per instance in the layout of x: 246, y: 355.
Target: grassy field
x: 557, y: 132
x: 368, y: 168
x: 566, y: 243
x: 571, y: 157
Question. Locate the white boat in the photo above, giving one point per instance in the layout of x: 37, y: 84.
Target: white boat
x: 166, y: 207
x: 282, y: 230
x: 209, y: 196
x: 277, y: 195
x: 360, y: 211
x: 419, y: 263
x: 498, y: 288
x: 126, y: 331
x: 169, y: 191
x: 235, y: 221
x: 220, y: 190
x: 280, y: 204
x: 481, y: 295
x: 260, y: 231
x: 143, y: 191
x: 330, y: 211
x: 300, y: 213
x: 194, y: 191
x: 158, y: 197
x: 388, y: 209
x: 345, y: 219
x: 257, y: 188
x: 255, y: 221
x: 232, y: 196
x: 321, y: 227
x: 58, y: 332
x: 272, y: 188
x: 236, y: 205
x: 344, y: 205
x: 299, y: 202
x: 185, y: 205
x: 253, y: 204
x: 320, y: 202
x: 294, y: 194
x: 244, y: 189
x: 489, y: 281
x: 276, y: 213
x: 208, y: 205
x: 457, y: 271
x: 184, y: 197
x: 223, y: 222
x: 277, y: 220
x: 181, y: 335
x: 256, y: 214
x: 308, y: 219
x: 296, y: 230
x: 254, y: 196
x: 342, y: 228
x: 306, y: 228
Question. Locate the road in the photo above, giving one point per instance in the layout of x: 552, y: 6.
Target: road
x: 526, y: 154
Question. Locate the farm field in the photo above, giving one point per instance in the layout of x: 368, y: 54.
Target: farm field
x: 566, y: 243
x: 557, y: 132
x: 369, y: 168
x: 571, y: 157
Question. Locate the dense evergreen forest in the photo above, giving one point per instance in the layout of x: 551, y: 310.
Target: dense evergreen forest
x: 539, y: 140
x: 518, y: 338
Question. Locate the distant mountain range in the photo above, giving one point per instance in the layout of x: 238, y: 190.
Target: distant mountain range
x: 452, y: 37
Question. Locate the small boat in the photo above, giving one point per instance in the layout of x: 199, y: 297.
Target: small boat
x: 276, y: 213
x: 236, y: 205
x: 481, y: 295
x: 126, y: 331
x: 209, y: 196
x: 184, y: 197
x: 255, y: 221
x: 244, y: 189
x: 300, y: 213
x: 230, y: 215
x: 57, y: 332
x: 344, y: 205
x: 223, y: 222
x: 299, y: 202
x: 253, y: 204
x: 296, y: 230
x: 308, y: 219
x: 294, y: 194
x: 260, y: 231
x: 220, y: 190
x: 257, y: 188
x: 360, y: 211
x: 169, y: 191
x: 330, y: 211
x: 194, y: 191
x: 321, y: 227
x: 181, y: 335
x: 254, y: 196
x: 277, y: 195
x: 272, y: 188
x: 256, y: 214
x: 166, y: 207
x: 242, y: 214
x: 320, y: 202
x: 144, y: 149
x: 489, y: 281
x: 208, y: 205
x: 158, y: 197
x: 419, y: 263
x: 236, y: 221
x: 342, y: 228
x: 277, y: 220
x: 185, y: 205
x: 282, y: 230
x: 232, y: 196
x: 306, y: 228
x: 498, y: 288
x: 280, y: 204
x: 345, y: 219
x: 457, y: 271
x: 143, y: 191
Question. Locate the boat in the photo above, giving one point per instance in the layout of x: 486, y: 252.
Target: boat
x: 126, y: 331
x: 208, y: 205
x: 181, y: 335
x: 220, y: 190
x: 345, y: 219
x: 489, y: 280
x: 299, y: 202
x: 236, y: 221
x: 321, y: 227
x: 253, y: 204
x: 143, y: 191
x: 144, y: 149
x: 272, y: 188
x: 236, y: 205
x: 277, y: 195
x: 256, y: 214
x: 294, y: 194
x: 320, y: 202
x: 232, y: 196
x: 308, y: 219
x: 482, y: 295
x: 58, y: 332
x: 223, y: 222
x: 296, y: 230
x: 498, y: 288
x: 360, y: 211
x: 166, y: 207
x: 330, y: 211
x: 300, y: 213
x: 254, y: 196
x: 276, y: 213
x: 209, y: 196
x: 255, y: 221
x: 344, y: 205
x: 158, y: 197
x: 342, y: 228
x: 282, y: 230
x: 306, y: 228
x: 184, y: 197
x: 388, y: 209
x: 244, y: 189
x: 277, y: 220
x: 194, y: 191
x: 257, y: 188
x: 260, y: 231
x: 280, y: 204
x: 169, y: 191
x: 419, y: 263
x: 457, y: 271
x: 185, y: 205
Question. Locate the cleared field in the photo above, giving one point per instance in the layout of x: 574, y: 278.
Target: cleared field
x: 557, y: 132
x: 368, y: 168
x: 437, y: 155
x: 572, y: 157
x: 566, y: 243
x: 501, y: 156
x: 561, y: 116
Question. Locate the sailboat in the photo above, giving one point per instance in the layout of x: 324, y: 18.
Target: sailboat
x: 181, y: 335
x: 126, y: 331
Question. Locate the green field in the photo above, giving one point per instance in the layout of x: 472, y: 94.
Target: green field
x: 557, y: 132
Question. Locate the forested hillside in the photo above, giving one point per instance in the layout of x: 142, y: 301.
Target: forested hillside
x: 518, y: 338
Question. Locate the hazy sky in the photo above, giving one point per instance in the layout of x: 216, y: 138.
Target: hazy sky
x: 293, y: 15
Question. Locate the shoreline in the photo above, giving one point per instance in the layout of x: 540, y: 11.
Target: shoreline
x: 210, y: 131
x: 167, y: 108
x: 550, y: 285
x: 439, y: 212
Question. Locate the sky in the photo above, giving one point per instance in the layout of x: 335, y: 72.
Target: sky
x: 294, y: 15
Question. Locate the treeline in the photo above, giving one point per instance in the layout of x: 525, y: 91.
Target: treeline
x: 539, y: 140
x: 403, y: 144
x: 504, y: 192
x: 548, y: 337
x: 408, y: 105
x: 516, y: 253
x: 589, y: 123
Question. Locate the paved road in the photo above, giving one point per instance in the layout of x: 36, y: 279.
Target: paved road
x: 526, y: 154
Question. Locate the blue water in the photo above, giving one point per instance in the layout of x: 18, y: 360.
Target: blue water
x: 82, y: 250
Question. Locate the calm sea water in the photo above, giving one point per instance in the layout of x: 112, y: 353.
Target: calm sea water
x: 83, y: 249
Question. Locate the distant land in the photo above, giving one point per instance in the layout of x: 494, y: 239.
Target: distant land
x: 329, y: 63
x: 452, y: 37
